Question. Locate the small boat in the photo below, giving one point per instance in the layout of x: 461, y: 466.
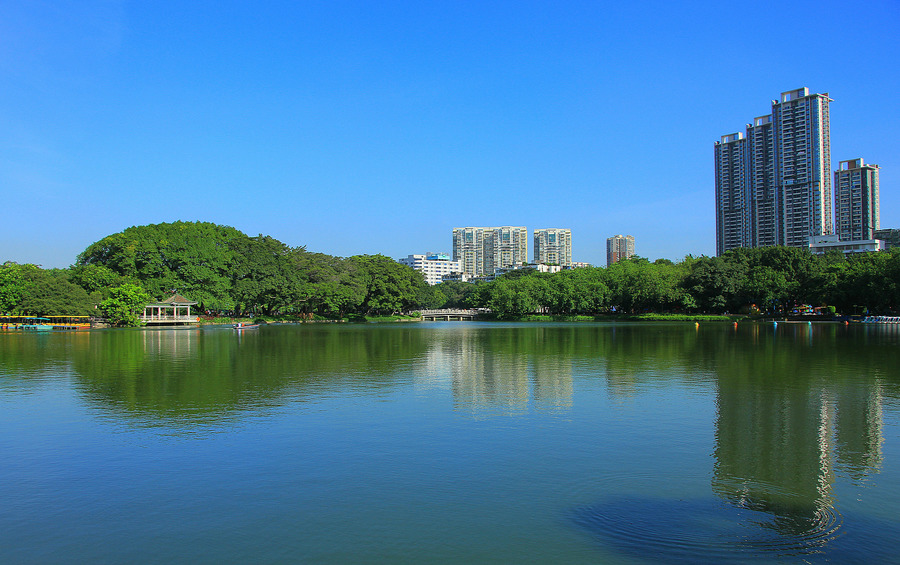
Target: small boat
x: 881, y: 320
x: 242, y: 326
x: 36, y: 325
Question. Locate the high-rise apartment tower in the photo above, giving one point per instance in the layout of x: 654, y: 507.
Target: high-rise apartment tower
x: 480, y: 251
x: 619, y: 247
x: 553, y: 246
x: 857, y: 213
x: 773, y: 185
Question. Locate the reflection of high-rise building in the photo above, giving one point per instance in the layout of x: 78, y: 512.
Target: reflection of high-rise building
x: 778, y: 444
x: 482, y: 250
x: 859, y: 428
x: 619, y: 247
x: 485, y: 377
x: 773, y: 187
x: 505, y: 370
x: 856, y: 202
x: 770, y: 452
x: 553, y: 246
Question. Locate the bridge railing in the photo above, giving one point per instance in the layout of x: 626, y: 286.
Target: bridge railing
x: 451, y: 311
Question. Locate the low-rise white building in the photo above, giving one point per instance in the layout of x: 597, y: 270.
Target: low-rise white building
x: 821, y: 244
x: 433, y: 265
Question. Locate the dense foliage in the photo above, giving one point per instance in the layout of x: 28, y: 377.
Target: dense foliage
x: 30, y: 290
x: 770, y: 279
x: 225, y: 270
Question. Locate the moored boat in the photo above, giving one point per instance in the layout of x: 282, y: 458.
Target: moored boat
x: 36, y: 325
x: 881, y: 320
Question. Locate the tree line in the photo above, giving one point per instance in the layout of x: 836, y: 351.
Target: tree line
x: 768, y: 279
x: 219, y: 267
x: 225, y: 270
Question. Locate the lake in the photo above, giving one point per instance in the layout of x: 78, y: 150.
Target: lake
x: 452, y: 442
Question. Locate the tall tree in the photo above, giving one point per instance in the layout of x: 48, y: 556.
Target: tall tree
x: 124, y: 303
x: 194, y: 258
x: 262, y: 277
x: 389, y: 286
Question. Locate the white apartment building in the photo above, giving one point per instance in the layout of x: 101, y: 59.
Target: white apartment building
x: 433, y: 265
x: 857, y: 211
x: 482, y: 250
x: 553, y: 246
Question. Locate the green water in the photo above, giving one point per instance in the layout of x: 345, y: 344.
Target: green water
x: 452, y: 442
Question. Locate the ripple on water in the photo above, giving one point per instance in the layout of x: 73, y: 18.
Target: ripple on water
x: 708, y: 529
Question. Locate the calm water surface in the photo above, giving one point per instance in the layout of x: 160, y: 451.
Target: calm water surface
x: 452, y: 442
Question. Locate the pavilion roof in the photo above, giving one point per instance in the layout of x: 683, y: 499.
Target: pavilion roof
x: 177, y: 299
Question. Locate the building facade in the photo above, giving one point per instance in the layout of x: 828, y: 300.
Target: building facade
x: 732, y: 211
x: 468, y: 249
x: 434, y: 266
x: 803, y: 165
x: 890, y: 237
x: 482, y: 250
x: 619, y: 247
x: 553, y: 246
x: 773, y: 186
x: 821, y: 244
x: 856, y: 204
x: 762, y: 205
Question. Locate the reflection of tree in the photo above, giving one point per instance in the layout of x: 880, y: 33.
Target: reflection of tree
x: 775, y: 386
x: 27, y: 357
x: 189, y: 375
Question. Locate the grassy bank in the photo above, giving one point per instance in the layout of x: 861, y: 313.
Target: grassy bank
x: 356, y: 318
x: 650, y: 317
x: 681, y: 318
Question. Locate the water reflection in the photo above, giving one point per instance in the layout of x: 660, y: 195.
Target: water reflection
x: 795, y: 405
x: 504, y: 368
x: 798, y: 410
x: 784, y: 420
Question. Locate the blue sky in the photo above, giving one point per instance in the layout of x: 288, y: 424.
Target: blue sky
x: 355, y: 127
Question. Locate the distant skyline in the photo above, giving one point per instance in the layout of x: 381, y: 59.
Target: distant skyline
x: 359, y: 128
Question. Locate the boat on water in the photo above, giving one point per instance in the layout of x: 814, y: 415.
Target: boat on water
x: 881, y: 320
x: 242, y: 326
x: 40, y: 324
x: 36, y: 325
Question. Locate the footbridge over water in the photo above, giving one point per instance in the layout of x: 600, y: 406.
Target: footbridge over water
x: 448, y: 314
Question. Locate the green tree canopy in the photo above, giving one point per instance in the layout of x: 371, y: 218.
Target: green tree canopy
x: 389, y: 286
x: 124, y: 303
x: 194, y: 258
